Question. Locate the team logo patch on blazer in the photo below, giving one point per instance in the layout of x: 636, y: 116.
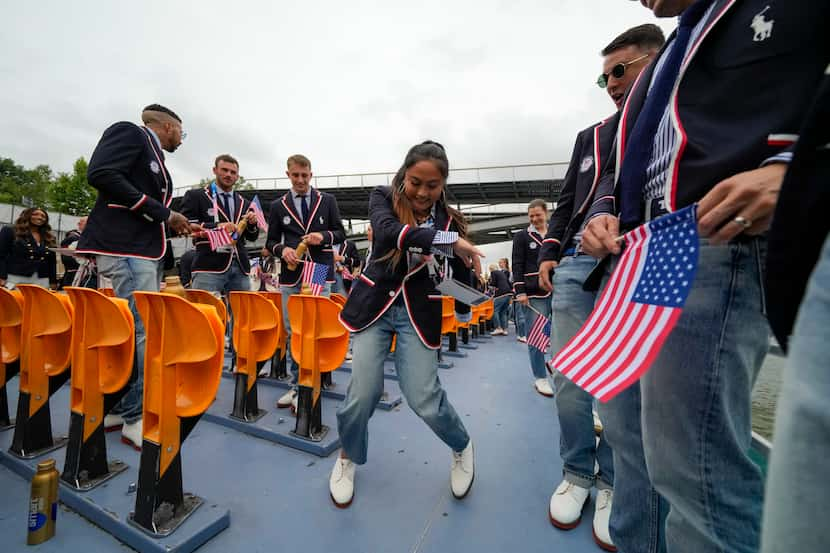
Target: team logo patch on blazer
x: 286, y: 220
x: 321, y: 221
x: 154, y: 167
x: 533, y: 245
x: 761, y: 27
x: 586, y: 164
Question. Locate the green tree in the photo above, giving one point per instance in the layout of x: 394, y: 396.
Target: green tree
x: 71, y: 193
x: 22, y: 186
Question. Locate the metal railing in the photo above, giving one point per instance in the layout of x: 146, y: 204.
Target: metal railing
x: 485, y: 174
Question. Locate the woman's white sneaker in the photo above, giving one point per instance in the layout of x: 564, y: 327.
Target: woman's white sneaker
x: 341, y: 482
x: 566, y: 504
x: 463, y: 471
x: 602, y: 515
x: 543, y: 387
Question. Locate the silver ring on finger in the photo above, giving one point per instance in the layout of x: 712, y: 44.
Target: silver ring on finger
x: 742, y: 221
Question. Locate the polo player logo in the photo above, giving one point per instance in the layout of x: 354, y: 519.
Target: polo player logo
x: 762, y: 27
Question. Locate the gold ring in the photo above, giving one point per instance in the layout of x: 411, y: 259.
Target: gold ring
x: 743, y: 221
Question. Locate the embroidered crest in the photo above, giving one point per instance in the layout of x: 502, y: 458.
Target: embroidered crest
x: 533, y: 245
x: 761, y: 27
x: 286, y: 220
x: 211, y: 211
x: 586, y: 164
x: 154, y: 167
x: 321, y: 220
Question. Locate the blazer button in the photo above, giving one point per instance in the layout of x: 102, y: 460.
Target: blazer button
x: 391, y: 293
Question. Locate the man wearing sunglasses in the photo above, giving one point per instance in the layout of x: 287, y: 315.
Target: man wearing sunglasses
x: 623, y: 59
x: 710, y: 122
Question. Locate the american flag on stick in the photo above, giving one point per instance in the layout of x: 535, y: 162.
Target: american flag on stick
x: 638, y: 308
x: 539, y: 336
x: 260, y: 215
x: 314, y: 275
x: 218, y: 237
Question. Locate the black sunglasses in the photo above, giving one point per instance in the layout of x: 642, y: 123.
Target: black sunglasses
x: 618, y: 71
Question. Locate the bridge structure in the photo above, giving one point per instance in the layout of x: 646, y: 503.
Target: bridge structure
x: 493, y: 199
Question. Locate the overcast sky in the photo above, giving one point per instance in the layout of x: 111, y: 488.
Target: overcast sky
x: 350, y: 84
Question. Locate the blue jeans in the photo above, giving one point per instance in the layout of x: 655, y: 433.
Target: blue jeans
x: 129, y: 274
x: 577, y: 443
x: 501, y: 306
x: 417, y: 367
x: 537, y: 358
x: 232, y: 279
x: 795, y: 516
x: 287, y: 292
x: 686, y: 429
x: 519, y: 317
x: 338, y: 287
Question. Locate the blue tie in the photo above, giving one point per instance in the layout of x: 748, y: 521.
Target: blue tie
x: 641, y: 142
x: 228, y: 200
x: 304, y: 208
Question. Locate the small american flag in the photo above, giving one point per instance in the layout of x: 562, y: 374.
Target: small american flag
x: 260, y: 216
x: 218, y: 237
x: 539, y: 336
x: 638, y: 309
x: 347, y: 275
x: 314, y: 275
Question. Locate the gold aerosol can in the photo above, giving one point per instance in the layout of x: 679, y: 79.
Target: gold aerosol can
x: 43, y: 503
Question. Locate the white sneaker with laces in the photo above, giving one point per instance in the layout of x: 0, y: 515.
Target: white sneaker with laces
x: 287, y: 399
x: 463, y: 471
x: 341, y: 482
x: 566, y: 505
x: 543, y: 387
x: 132, y: 434
x: 602, y: 514
x: 113, y: 423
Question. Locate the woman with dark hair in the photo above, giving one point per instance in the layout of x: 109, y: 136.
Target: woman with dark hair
x: 25, y: 257
x: 418, y: 241
x: 502, y: 292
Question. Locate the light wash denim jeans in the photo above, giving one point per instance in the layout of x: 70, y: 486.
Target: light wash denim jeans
x: 795, y: 513
x: 501, y: 307
x: 287, y: 292
x: 232, y: 279
x: 537, y: 358
x: 129, y: 274
x: 519, y: 318
x: 577, y: 442
x: 337, y: 287
x: 417, y: 367
x: 686, y: 429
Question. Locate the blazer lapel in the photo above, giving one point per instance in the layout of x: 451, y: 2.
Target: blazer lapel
x: 288, y: 203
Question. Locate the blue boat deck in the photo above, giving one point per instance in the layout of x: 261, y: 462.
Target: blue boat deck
x: 278, y: 497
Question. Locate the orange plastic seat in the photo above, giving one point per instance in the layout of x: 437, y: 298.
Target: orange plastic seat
x: 208, y: 298
x: 276, y: 299
x: 449, y: 324
x: 256, y: 331
x: 109, y: 292
x: 339, y: 299
x: 103, y: 346
x: 11, y: 319
x: 183, y: 355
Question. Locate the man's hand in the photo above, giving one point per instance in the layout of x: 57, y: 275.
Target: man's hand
x: 544, y: 275
x: 229, y: 227
x: 599, y: 237
x: 523, y: 299
x: 313, y: 238
x: 743, y: 203
x: 289, y: 255
x: 178, y: 223
x: 339, y: 258
x: 251, y: 218
x: 196, y: 227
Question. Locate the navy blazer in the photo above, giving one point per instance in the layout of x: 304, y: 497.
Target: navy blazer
x: 285, y: 228
x: 739, y: 101
x: 526, y: 248
x: 591, y: 150
x: 800, y: 225
x: 134, y: 194
x: 197, y: 206
x: 500, y: 283
x: 380, y: 285
x: 25, y: 257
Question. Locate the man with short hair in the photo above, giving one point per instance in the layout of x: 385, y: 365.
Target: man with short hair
x: 217, y: 205
x: 709, y: 122
x: 128, y: 227
x: 581, y: 452
x: 534, y: 300
x: 303, y: 214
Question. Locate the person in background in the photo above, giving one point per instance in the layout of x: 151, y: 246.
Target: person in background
x: 25, y: 257
x: 516, y: 314
x: 346, y: 263
x: 127, y: 228
x: 534, y: 300
x: 70, y: 263
x: 186, y: 267
x: 502, y: 292
x: 396, y: 295
x: 581, y: 452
